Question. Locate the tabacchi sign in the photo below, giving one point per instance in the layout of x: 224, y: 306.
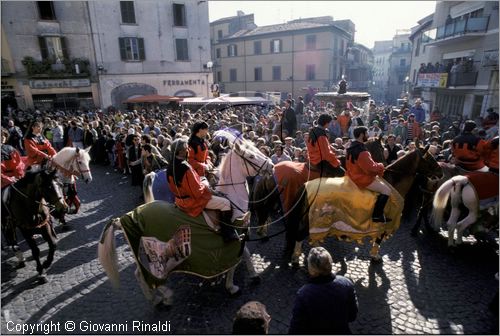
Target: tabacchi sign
x: 59, y: 83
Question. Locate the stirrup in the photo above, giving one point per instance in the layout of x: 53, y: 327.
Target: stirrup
x: 240, y: 221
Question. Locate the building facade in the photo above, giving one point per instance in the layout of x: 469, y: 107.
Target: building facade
x: 381, y: 56
x: 359, y: 68
x: 290, y: 57
x: 459, y: 48
x: 399, y: 67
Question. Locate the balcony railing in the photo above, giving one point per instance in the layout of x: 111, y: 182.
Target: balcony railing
x: 462, y: 27
x: 462, y: 78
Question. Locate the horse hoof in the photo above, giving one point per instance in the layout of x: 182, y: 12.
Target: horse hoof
x: 21, y: 264
x: 42, y: 279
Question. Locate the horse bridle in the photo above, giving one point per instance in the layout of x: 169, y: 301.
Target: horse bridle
x: 48, y: 205
x: 74, y: 172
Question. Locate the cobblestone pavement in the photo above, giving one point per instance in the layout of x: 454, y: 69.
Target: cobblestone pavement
x: 421, y: 286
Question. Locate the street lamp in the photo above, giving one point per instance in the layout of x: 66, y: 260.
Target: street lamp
x: 210, y: 64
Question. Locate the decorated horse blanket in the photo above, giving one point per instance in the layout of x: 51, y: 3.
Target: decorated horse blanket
x: 290, y: 177
x: 340, y: 209
x: 160, y: 187
x: 164, y: 239
x: 485, y: 184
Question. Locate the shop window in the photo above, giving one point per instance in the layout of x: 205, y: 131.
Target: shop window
x: 179, y: 15
x: 128, y: 12
x: 46, y: 10
x: 132, y: 49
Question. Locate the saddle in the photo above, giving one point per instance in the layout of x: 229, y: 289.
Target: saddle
x: 213, y: 218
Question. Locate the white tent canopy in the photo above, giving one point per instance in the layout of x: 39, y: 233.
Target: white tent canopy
x: 225, y: 100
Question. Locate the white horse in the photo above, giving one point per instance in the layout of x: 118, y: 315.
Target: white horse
x: 243, y: 160
x: 461, y: 191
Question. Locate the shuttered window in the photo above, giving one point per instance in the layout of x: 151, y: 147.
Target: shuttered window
x: 179, y: 15
x: 53, y: 47
x: 128, y: 12
x: 181, y: 47
x: 132, y: 49
x: 46, y: 10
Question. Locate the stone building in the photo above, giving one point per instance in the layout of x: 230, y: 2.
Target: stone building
x: 381, y: 54
x: 399, y: 67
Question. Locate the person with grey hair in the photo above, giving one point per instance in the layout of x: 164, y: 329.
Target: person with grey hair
x: 191, y: 194
x: 327, y: 303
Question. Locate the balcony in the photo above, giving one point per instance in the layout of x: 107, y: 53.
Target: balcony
x: 48, y: 68
x: 457, y: 31
x: 462, y: 78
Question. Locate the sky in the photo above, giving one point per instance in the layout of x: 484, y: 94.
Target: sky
x: 374, y: 20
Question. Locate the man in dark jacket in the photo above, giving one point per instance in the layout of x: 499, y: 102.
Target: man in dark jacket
x: 327, y: 303
x: 289, y: 120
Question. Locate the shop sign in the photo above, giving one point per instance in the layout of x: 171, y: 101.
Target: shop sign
x: 7, y: 85
x: 432, y: 80
x: 59, y: 83
x: 183, y: 82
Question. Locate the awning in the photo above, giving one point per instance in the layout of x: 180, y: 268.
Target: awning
x: 465, y: 7
x: 153, y: 99
x: 459, y: 54
x: 225, y: 100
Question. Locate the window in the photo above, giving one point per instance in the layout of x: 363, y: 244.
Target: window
x: 219, y: 34
x: 181, y: 46
x: 310, y: 42
x: 128, y: 12
x: 276, y: 72
x: 257, y: 47
x: 232, y: 50
x: 217, y: 53
x: 179, y: 15
x: 310, y: 72
x: 275, y: 46
x: 232, y: 75
x: 46, y: 10
x: 132, y: 49
x: 402, y: 62
x: 341, y: 50
x: 417, y: 48
x: 258, y: 74
x: 219, y: 76
x: 53, y: 47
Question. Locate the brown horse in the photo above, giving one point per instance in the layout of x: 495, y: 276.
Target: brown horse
x: 400, y: 175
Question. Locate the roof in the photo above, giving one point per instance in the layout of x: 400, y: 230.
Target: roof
x: 152, y: 99
x: 225, y: 100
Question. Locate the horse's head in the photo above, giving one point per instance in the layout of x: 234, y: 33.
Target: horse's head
x: 254, y: 161
x: 428, y: 165
x: 376, y: 149
x: 51, y: 190
x: 74, y: 161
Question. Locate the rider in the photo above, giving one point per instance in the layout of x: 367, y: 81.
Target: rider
x: 321, y: 155
x: 363, y: 171
x: 468, y: 148
x: 191, y: 194
x: 198, y: 156
x: 37, y: 147
x: 12, y: 167
x: 491, y: 157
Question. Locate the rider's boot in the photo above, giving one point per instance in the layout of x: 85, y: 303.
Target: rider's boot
x: 378, y: 211
x: 228, y: 233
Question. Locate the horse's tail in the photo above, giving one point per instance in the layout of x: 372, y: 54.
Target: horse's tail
x: 147, y: 187
x: 106, y: 252
x: 441, y: 198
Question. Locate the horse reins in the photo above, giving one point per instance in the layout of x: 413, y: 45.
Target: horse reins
x: 73, y: 172
x: 48, y: 205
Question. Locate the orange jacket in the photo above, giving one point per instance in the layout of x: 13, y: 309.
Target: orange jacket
x: 468, y: 151
x: 198, y: 156
x: 417, y: 131
x: 491, y: 153
x: 321, y: 149
x: 360, y: 166
x: 37, y: 149
x: 191, y: 196
x: 343, y: 120
x: 12, y: 165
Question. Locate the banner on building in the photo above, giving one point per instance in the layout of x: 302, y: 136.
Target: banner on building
x: 432, y: 80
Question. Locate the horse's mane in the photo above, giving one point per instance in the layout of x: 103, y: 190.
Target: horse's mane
x: 29, y: 178
x: 401, y: 164
x: 244, y: 145
x: 66, y: 153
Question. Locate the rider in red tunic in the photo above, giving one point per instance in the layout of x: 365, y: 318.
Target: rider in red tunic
x: 37, y: 147
x: 191, y: 194
x: 12, y: 166
x: 468, y: 149
x: 198, y: 156
x: 491, y: 157
x: 363, y: 171
x: 321, y: 155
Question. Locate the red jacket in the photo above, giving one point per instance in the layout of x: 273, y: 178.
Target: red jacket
x: 12, y: 165
x: 343, y: 120
x: 363, y: 170
x: 468, y: 150
x: 197, y: 156
x: 37, y: 149
x: 417, y: 131
x: 321, y: 149
x: 191, y: 196
x: 491, y: 153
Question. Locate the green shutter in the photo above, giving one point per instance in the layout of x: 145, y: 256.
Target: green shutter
x: 142, y: 52
x: 43, y: 47
x: 64, y: 48
x: 123, y: 50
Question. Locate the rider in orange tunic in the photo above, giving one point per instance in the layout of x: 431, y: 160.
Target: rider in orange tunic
x: 37, y: 147
x: 491, y: 157
x: 363, y: 171
x: 191, y: 194
x: 468, y: 149
x: 198, y: 156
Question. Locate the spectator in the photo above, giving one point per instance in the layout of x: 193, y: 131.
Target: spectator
x: 57, y: 136
x: 151, y: 162
x: 327, y: 303
x: 375, y: 131
x: 334, y: 130
x: 279, y: 155
x: 391, y: 154
x: 418, y: 111
x: 289, y: 120
x: 15, y: 136
x: 75, y: 135
x: 251, y: 319
x: 134, y: 157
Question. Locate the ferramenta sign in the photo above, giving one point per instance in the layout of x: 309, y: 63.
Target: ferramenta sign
x: 59, y: 83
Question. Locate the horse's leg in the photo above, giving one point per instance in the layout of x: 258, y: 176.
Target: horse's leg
x: 470, y: 201
x: 230, y: 286
x: 247, y: 257
x: 48, y: 235
x: 452, y: 221
x: 35, y: 251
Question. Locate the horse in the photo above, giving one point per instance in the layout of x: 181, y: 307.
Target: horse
x: 242, y: 160
x: 337, y: 207
x: 25, y: 205
x: 71, y: 163
x: 276, y: 194
x: 477, y: 191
